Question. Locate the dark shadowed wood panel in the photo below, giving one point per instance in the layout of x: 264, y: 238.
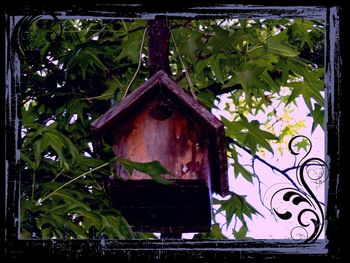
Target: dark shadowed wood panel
x: 152, y: 207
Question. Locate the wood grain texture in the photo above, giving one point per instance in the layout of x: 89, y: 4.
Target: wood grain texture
x: 158, y: 45
x: 178, y: 143
x: 216, y: 134
x: 191, y: 122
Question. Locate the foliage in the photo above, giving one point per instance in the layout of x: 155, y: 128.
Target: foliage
x: 237, y: 206
x: 74, y: 70
x: 154, y: 169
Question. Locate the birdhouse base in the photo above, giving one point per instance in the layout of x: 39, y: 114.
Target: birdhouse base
x: 148, y: 206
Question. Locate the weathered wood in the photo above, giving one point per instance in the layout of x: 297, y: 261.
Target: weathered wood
x: 184, y: 104
x: 216, y: 134
x: 127, y: 106
x: 158, y: 46
x: 160, y: 121
x: 177, y: 142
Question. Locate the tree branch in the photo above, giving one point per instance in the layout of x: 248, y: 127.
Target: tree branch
x: 274, y: 168
x: 218, y: 90
x: 259, y: 185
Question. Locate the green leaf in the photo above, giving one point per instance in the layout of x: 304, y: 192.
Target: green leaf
x: 154, y: 169
x: 238, y: 206
x: 67, y: 143
x: 241, y: 233
x: 207, y: 98
x: 91, y: 218
x: 283, y: 66
x: 123, y: 227
x: 193, y: 45
x: 249, y: 133
x: 215, y: 65
x: 220, y: 40
x: 57, y: 145
x: 78, y: 230
x: 233, y: 129
x: 231, y: 206
x: 131, y: 47
x: 262, y: 58
x: 300, y: 31
x: 302, y: 144
x: 78, y: 107
x: 308, y: 90
x: 26, y: 159
x: 239, y: 169
x: 256, y: 137
x: 215, y: 234
x: 311, y: 85
x: 318, y: 117
x: 37, y: 153
x: 113, y: 86
x: 46, y: 233
x: 96, y: 61
x: 238, y: 37
x: 295, y: 93
x: 271, y: 84
x: 278, y: 44
x: 247, y: 76
x: 145, y: 235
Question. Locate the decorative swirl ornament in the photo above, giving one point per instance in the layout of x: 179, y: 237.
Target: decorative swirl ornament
x: 306, y: 210
x: 21, y: 37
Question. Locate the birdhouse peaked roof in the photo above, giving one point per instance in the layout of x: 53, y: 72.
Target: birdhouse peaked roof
x: 162, y: 83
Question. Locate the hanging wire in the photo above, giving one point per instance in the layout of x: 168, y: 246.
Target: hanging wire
x: 138, y: 66
x: 187, y: 75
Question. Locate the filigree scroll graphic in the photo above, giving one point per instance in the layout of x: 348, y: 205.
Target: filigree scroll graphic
x: 301, y: 206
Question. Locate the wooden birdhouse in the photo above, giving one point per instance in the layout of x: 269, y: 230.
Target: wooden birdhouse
x: 160, y: 121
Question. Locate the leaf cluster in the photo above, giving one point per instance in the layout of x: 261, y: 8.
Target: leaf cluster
x: 74, y: 70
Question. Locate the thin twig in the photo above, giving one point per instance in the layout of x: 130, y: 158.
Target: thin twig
x: 259, y: 184
x: 138, y: 66
x: 183, y: 66
x: 41, y: 200
x: 58, y: 175
x: 266, y: 163
x: 274, y: 168
x: 33, y: 185
x: 216, y: 212
x: 268, y: 36
x: 206, y: 37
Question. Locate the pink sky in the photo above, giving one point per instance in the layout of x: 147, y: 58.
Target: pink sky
x: 267, y: 226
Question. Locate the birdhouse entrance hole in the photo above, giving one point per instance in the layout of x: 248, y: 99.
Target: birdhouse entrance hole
x: 161, y: 110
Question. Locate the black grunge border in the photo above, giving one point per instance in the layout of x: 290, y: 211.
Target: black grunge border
x: 329, y: 250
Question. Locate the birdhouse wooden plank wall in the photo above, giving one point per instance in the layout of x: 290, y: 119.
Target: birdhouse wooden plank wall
x: 161, y: 132
x: 160, y: 121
